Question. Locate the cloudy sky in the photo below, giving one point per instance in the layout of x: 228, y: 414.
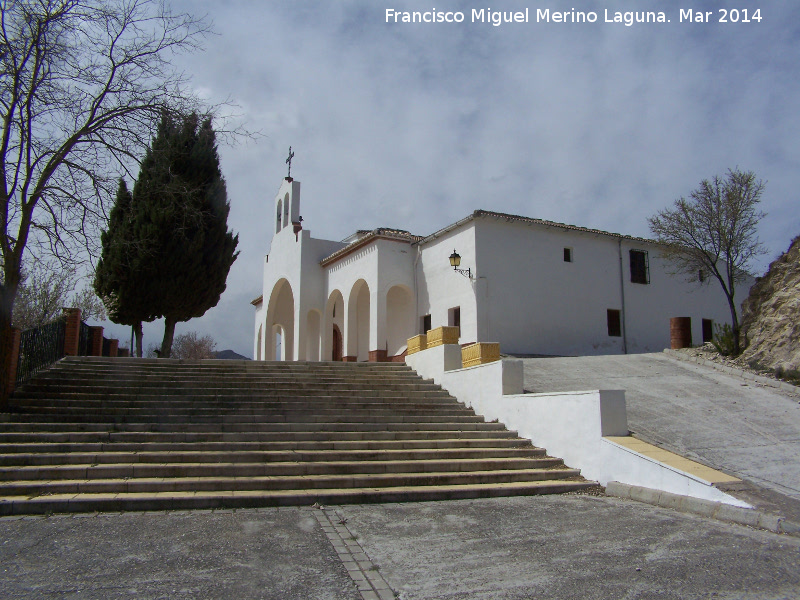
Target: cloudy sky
x: 414, y: 126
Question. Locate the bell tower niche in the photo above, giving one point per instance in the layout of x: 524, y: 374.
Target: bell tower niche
x: 286, y: 211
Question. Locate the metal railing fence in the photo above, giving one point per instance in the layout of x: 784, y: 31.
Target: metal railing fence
x: 84, y: 340
x: 39, y: 348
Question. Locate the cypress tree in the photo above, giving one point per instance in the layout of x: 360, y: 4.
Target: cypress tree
x: 119, y: 280
x: 181, y: 208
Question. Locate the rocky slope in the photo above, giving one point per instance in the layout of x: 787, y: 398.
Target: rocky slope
x: 771, y: 316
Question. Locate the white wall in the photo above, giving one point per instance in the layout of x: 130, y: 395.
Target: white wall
x: 570, y: 425
x: 294, y: 258
x: 536, y: 303
x: 383, y: 264
x: 439, y: 288
x: 522, y: 293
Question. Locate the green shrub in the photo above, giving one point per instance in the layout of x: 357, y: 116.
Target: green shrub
x: 723, y: 339
x: 790, y: 375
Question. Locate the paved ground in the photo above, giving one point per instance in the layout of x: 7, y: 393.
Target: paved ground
x: 276, y: 553
x: 514, y: 548
x: 747, y: 430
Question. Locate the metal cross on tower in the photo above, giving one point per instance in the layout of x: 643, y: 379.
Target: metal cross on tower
x: 289, y: 162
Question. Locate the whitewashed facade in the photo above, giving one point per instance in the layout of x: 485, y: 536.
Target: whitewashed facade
x: 535, y: 286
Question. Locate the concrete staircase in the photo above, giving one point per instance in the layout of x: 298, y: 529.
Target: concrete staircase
x: 94, y: 434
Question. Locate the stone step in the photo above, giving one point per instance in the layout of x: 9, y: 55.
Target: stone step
x: 219, y: 386
x: 73, y: 372
x: 256, y: 446
x: 273, y: 414
x: 210, y: 394
x: 135, y: 437
x: 132, y: 434
x: 273, y: 469
x: 176, y: 367
x: 266, y: 456
x: 61, y: 426
x: 274, y: 419
x: 287, y: 482
x: 75, y: 503
x: 318, y: 401
x: 357, y: 427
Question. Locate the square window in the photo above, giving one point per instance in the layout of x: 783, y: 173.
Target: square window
x: 567, y: 254
x: 640, y: 268
x: 614, y: 323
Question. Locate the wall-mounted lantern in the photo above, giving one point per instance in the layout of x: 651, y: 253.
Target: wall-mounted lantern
x: 455, y: 262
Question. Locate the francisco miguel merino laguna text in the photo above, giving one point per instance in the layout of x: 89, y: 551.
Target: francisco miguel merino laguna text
x: 628, y: 18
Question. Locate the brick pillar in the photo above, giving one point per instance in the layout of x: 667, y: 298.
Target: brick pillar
x: 349, y: 359
x: 12, y: 365
x: 73, y: 332
x: 123, y: 352
x: 113, y: 348
x: 95, y: 341
x: 377, y: 356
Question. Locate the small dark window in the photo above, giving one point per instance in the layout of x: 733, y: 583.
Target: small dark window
x: 708, y: 330
x: 701, y: 276
x: 639, y: 267
x: 426, y: 324
x: 567, y: 254
x: 614, y: 323
x: 454, y: 318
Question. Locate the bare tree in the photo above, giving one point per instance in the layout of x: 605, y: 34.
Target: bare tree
x: 713, y: 233
x: 83, y: 84
x: 187, y: 345
x: 191, y: 345
x: 46, y: 289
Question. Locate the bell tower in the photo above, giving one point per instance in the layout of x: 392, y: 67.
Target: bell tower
x: 287, y: 202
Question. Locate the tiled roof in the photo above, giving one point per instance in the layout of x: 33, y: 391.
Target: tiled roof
x: 382, y: 233
x: 511, y: 218
x: 529, y: 220
x: 402, y: 235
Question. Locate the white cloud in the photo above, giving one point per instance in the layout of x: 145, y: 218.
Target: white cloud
x: 415, y: 126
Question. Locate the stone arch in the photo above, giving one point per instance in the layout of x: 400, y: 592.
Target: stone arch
x: 313, y: 334
x: 277, y: 346
x: 358, y: 309
x: 280, y: 321
x: 334, y: 320
x: 399, y: 319
x: 337, y: 345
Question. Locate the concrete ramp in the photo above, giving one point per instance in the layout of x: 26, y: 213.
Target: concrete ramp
x: 732, y: 425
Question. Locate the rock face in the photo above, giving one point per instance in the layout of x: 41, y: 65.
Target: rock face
x: 771, y: 315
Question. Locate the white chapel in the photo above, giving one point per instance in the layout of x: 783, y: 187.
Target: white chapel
x: 536, y: 287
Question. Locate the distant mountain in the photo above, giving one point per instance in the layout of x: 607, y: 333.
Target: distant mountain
x: 229, y: 355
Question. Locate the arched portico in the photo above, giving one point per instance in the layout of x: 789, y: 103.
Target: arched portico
x: 334, y: 322
x: 280, y: 322
x: 358, y: 323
